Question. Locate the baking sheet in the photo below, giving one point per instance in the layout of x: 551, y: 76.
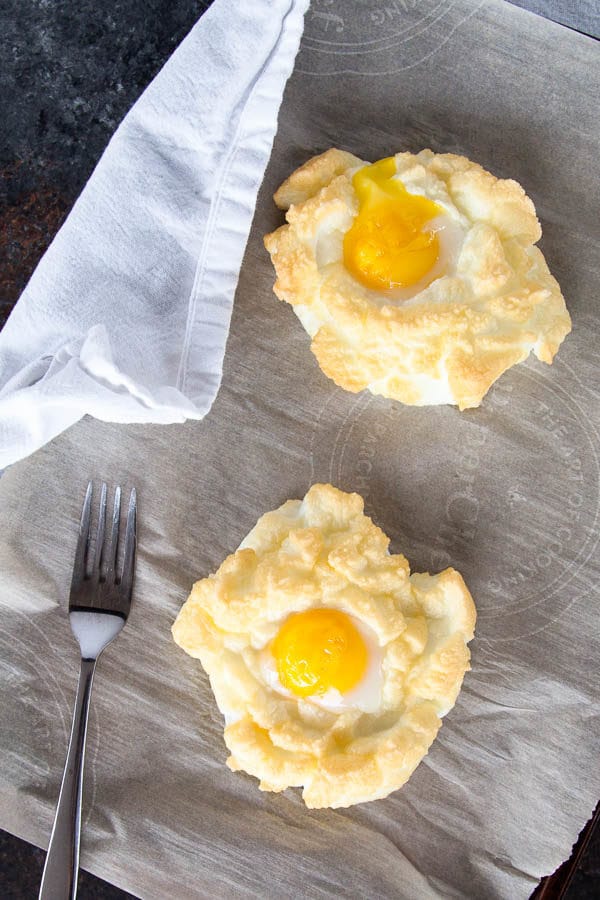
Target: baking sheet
x: 509, y: 494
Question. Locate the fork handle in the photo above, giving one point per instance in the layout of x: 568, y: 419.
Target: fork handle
x: 59, y: 880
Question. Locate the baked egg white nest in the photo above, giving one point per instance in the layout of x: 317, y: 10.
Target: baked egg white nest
x: 313, y: 579
x: 486, y: 302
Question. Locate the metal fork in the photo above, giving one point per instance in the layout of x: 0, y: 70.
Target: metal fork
x: 99, y: 605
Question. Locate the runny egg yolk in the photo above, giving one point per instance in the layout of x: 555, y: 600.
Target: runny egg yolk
x: 317, y: 650
x: 388, y: 245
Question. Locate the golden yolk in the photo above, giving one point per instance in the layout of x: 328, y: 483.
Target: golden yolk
x: 387, y: 245
x: 317, y: 650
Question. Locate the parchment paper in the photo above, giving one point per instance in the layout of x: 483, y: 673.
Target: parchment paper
x: 509, y: 494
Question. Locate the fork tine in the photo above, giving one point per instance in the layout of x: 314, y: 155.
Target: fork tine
x: 113, y: 545
x: 100, y: 536
x: 129, y: 553
x: 83, y: 541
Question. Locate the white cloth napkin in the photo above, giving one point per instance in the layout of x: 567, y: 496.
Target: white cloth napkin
x: 127, y: 314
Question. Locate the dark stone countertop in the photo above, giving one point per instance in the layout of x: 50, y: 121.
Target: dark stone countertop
x: 68, y: 74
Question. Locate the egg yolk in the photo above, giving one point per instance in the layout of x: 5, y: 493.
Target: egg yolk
x: 317, y: 650
x: 387, y: 245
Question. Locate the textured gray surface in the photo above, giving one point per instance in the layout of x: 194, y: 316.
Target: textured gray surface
x: 48, y: 77
x: 581, y: 15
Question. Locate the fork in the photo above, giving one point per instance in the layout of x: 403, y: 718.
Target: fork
x: 99, y: 604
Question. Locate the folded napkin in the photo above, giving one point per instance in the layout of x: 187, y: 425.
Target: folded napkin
x: 127, y: 314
